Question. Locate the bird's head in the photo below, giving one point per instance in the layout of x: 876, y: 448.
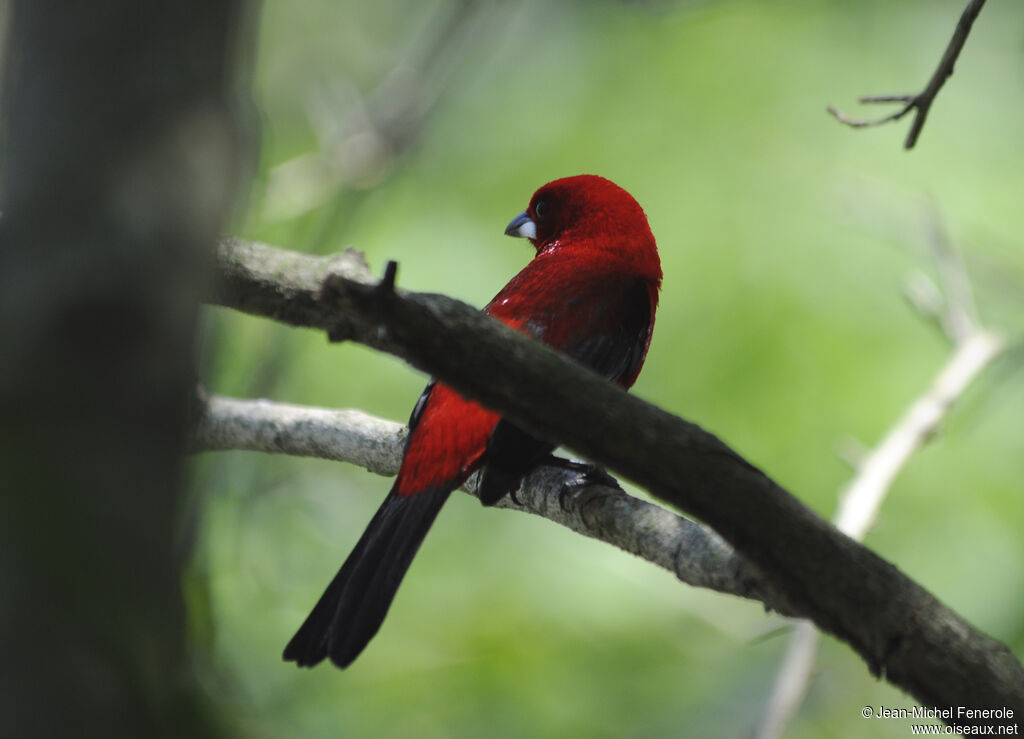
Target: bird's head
x: 587, y: 212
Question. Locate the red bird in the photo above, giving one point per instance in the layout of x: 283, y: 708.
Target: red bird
x: 590, y: 292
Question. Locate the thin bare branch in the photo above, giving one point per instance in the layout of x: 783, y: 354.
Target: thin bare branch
x: 792, y: 681
x: 300, y: 431
x: 918, y: 424
x: 866, y: 122
x: 922, y: 101
x: 693, y: 553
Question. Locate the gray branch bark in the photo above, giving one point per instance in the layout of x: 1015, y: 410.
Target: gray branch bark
x: 901, y: 631
x: 693, y: 553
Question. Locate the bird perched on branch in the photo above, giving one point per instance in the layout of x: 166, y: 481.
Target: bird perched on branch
x: 591, y: 293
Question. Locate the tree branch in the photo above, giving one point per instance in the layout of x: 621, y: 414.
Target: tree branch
x: 922, y: 101
x: 693, y: 553
x: 901, y: 631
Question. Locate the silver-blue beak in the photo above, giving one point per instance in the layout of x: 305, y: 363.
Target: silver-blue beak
x: 522, y: 225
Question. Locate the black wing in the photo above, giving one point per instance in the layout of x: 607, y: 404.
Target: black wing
x: 616, y: 351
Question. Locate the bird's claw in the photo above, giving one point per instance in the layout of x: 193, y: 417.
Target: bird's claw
x: 587, y: 474
x: 515, y: 498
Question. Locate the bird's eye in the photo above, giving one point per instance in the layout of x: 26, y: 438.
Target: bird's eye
x: 540, y: 209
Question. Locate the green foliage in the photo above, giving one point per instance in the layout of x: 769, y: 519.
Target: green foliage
x: 785, y: 239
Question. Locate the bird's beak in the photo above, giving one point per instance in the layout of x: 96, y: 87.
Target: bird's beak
x: 522, y: 225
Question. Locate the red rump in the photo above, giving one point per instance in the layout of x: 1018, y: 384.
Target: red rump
x: 449, y: 442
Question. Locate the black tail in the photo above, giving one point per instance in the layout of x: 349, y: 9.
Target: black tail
x: 353, y: 607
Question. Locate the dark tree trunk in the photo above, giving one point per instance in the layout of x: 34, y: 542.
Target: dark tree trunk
x: 120, y: 162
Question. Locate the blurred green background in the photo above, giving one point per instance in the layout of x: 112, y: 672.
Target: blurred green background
x: 414, y: 131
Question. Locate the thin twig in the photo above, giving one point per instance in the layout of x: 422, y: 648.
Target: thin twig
x: 792, y: 681
x: 922, y: 101
x: 918, y: 424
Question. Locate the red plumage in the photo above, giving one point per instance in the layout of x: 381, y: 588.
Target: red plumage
x: 591, y: 292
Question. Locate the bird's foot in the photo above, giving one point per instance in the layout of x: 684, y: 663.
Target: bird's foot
x: 515, y: 498
x: 587, y: 474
